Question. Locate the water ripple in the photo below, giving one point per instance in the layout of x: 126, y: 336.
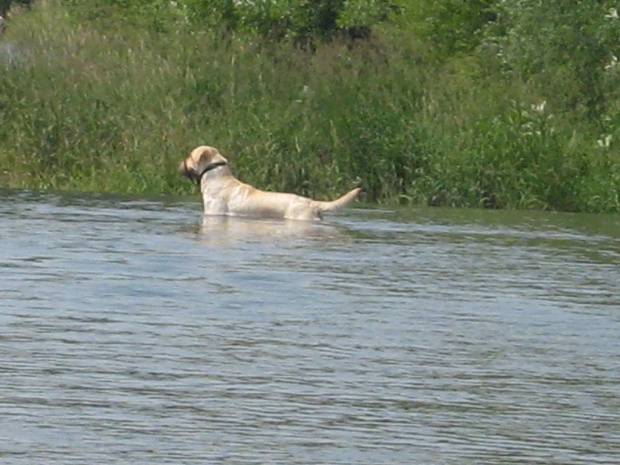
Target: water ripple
x: 132, y: 332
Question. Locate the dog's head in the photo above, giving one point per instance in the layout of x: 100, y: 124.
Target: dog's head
x: 200, y: 161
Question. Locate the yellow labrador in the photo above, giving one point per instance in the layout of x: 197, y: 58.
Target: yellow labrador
x: 223, y: 194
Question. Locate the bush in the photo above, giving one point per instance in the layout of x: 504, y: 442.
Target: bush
x: 567, y: 42
x: 450, y: 26
x: 301, y: 21
x: 89, y: 107
x: 5, y: 5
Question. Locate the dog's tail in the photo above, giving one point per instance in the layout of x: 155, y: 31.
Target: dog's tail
x: 328, y: 207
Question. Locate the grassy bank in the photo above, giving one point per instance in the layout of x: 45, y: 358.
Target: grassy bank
x: 87, y: 108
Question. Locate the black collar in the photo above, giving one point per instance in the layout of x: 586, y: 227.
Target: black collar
x: 211, y: 166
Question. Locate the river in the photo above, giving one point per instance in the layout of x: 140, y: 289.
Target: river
x: 134, y: 331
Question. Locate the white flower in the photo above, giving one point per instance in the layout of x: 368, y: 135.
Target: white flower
x: 613, y: 14
x: 605, y: 141
x: 612, y: 63
x: 540, y: 108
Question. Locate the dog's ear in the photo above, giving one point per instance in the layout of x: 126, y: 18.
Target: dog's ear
x: 212, y: 155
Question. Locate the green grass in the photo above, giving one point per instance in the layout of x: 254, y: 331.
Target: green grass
x: 115, y: 111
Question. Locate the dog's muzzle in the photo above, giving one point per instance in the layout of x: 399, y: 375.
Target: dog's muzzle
x: 188, y: 172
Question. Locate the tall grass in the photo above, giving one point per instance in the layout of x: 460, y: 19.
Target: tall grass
x: 116, y: 110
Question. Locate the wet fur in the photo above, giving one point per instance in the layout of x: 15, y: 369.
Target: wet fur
x: 223, y: 194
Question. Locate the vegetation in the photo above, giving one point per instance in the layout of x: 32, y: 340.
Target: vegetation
x: 484, y: 103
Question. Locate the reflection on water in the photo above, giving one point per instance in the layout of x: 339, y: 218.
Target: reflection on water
x: 133, y: 331
x: 226, y: 230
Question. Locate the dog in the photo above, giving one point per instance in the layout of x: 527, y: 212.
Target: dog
x: 223, y: 194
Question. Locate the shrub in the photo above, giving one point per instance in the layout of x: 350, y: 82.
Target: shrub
x: 85, y: 106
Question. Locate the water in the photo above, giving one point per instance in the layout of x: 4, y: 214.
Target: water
x: 132, y: 332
